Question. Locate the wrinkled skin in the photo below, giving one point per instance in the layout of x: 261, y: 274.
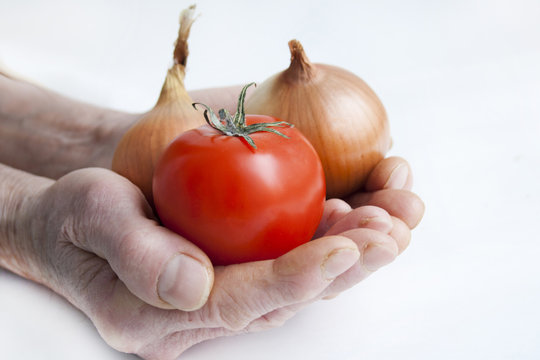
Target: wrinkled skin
x: 102, y: 233
x: 91, y: 237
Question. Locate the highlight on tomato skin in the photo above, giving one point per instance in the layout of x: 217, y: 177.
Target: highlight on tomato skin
x: 237, y: 202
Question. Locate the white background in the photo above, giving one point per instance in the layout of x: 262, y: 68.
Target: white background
x: 461, y: 84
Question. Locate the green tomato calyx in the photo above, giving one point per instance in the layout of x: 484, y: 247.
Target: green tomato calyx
x: 236, y: 125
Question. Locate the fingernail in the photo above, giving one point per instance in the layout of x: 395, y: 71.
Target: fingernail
x: 378, y: 255
x: 339, y: 261
x: 185, y: 283
x: 398, y: 177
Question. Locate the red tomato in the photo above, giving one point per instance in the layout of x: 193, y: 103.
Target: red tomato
x: 238, y: 203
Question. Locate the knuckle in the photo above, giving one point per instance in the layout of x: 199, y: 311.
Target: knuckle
x: 96, y: 192
x: 101, y: 189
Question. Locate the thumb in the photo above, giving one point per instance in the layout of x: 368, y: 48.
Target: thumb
x: 104, y: 214
x: 158, y: 266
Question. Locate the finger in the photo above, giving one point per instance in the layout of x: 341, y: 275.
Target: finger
x: 377, y: 250
x: 401, y: 234
x: 243, y: 293
x: 402, y: 204
x: 390, y: 173
x: 277, y: 317
x: 334, y: 210
x: 172, y: 345
x: 160, y: 267
x: 370, y: 217
x: 157, y: 265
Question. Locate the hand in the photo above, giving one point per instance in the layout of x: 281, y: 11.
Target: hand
x: 387, y: 205
x: 100, y: 247
x: 48, y: 134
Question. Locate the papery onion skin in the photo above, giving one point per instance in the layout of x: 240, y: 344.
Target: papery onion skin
x: 336, y: 110
x: 141, y: 146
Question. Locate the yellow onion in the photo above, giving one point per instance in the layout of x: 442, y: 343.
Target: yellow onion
x: 141, y: 146
x: 336, y: 110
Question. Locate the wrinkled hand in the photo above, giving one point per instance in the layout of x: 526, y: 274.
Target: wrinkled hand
x: 151, y: 292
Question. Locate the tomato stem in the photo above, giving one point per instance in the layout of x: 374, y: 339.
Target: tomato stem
x: 236, y: 125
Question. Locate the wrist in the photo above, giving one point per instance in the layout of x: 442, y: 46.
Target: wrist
x: 47, y: 134
x: 18, y: 193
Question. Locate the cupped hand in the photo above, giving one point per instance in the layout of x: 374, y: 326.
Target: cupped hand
x: 151, y: 292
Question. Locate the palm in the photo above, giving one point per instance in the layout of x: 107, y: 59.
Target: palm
x: 245, y: 297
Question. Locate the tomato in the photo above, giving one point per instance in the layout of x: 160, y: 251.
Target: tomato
x: 236, y: 202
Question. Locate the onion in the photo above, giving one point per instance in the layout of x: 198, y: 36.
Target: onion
x: 141, y: 146
x: 336, y: 110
